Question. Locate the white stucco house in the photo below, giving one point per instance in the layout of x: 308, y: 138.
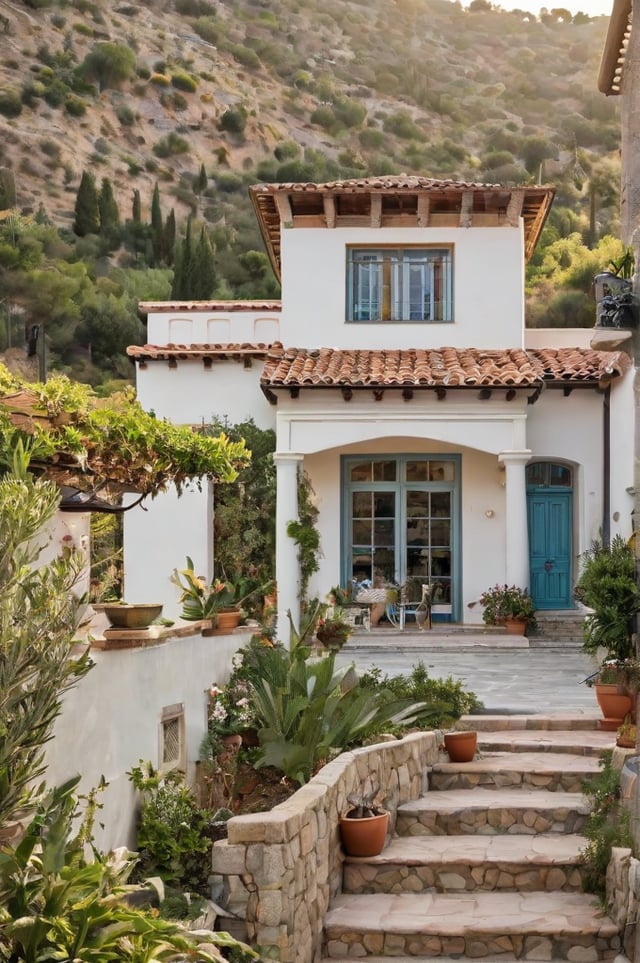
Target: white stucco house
x: 445, y: 443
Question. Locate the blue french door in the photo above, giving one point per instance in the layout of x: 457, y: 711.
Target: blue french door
x: 550, y: 518
x: 400, y: 519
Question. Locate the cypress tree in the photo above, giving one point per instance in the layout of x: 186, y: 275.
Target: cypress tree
x: 108, y: 209
x: 201, y: 181
x: 136, y: 207
x: 157, y: 228
x: 87, y: 214
x: 170, y: 236
x: 204, y: 273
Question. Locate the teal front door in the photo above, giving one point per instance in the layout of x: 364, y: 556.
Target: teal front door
x: 550, y: 530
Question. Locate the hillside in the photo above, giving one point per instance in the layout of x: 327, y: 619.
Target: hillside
x: 203, y: 97
x: 415, y: 85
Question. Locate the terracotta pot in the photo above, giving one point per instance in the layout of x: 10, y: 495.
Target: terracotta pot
x: 515, y: 626
x: 461, y: 746
x: 625, y: 742
x: 227, y: 620
x: 613, y: 703
x: 364, y: 837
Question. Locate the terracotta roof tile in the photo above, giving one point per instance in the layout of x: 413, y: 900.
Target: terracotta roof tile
x: 444, y: 367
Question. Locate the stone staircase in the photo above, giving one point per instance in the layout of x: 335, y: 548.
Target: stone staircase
x: 558, y: 629
x: 486, y: 865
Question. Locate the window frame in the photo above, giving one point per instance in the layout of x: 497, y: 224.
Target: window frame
x: 390, y: 287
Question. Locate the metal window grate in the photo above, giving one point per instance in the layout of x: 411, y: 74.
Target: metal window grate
x: 172, y: 737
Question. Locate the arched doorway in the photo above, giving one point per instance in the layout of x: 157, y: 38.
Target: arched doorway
x: 550, y: 519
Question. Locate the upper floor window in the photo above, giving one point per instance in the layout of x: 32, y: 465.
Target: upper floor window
x: 399, y: 284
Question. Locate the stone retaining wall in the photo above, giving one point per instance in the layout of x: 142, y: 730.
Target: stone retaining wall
x: 287, y: 863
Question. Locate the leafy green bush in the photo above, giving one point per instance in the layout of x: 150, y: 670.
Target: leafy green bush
x: 607, y: 584
x: 194, y: 8
x: 172, y: 829
x: 125, y: 115
x: 403, y: 126
x: 207, y: 28
x: 244, y: 55
x: 234, y: 120
x: 445, y: 699
x: 10, y: 102
x: 184, y: 81
x: 160, y: 79
x: 171, y: 145
x: 75, y: 106
x: 608, y: 825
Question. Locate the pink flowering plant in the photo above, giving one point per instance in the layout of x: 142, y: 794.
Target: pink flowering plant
x: 230, y: 709
x: 507, y: 602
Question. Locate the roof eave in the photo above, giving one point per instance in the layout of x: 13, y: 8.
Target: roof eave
x: 612, y: 60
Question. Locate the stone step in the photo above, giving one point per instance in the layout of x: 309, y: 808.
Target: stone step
x: 500, y: 770
x: 532, y: 926
x: 485, y: 812
x: 576, y: 742
x: 454, y: 864
x: 560, y: 721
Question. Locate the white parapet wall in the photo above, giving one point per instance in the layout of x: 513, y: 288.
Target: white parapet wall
x: 118, y: 715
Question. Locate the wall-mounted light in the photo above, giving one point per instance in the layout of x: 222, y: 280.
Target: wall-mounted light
x: 489, y: 513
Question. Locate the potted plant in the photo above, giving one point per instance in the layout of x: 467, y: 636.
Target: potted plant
x: 607, y: 585
x: 627, y: 734
x: 363, y: 828
x: 510, y: 606
x: 461, y: 744
x: 220, y: 601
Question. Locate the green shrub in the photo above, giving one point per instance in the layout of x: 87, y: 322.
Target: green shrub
x: 171, y: 145
x: 183, y: 81
x: 171, y: 830
x: 445, y: 699
x: 125, y: 115
x: 194, y: 8
x: 143, y: 72
x: 179, y: 102
x: 208, y: 29
x: 10, y: 102
x: 75, y: 106
x: 607, y: 584
x: 234, y: 120
x: 608, y: 825
x: 83, y: 29
x: 56, y: 93
x: 371, y: 137
x: 160, y: 80
x: 402, y: 125
x: 244, y: 55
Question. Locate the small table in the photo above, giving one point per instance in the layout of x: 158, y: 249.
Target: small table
x: 358, y: 613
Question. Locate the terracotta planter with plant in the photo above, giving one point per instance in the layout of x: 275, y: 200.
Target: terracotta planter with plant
x: 510, y: 606
x: 363, y: 829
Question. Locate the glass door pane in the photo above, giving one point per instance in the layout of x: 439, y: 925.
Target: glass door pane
x: 428, y: 551
x: 373, y: 549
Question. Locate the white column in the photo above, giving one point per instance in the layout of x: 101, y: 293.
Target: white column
x: 517, y: 537
x: 287, y: 564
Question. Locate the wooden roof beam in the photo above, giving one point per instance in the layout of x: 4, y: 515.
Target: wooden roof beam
x: 466, y: 209
x: 514, y: 208
x: 329, y: 206
x: 284, y: 209
x: 424, y: 212
x: 376, y: 210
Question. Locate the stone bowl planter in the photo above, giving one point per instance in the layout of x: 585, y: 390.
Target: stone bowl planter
x: 124, y: 615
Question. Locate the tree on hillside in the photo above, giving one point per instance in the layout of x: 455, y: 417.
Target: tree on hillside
x: 109, y: 64
x: 157, y: 228
x: 204, y: 272
x: 170, y: 236
x: 183, y: 268
x: 136, y: 207
x: 109, y: 213
x: 87, y: 212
